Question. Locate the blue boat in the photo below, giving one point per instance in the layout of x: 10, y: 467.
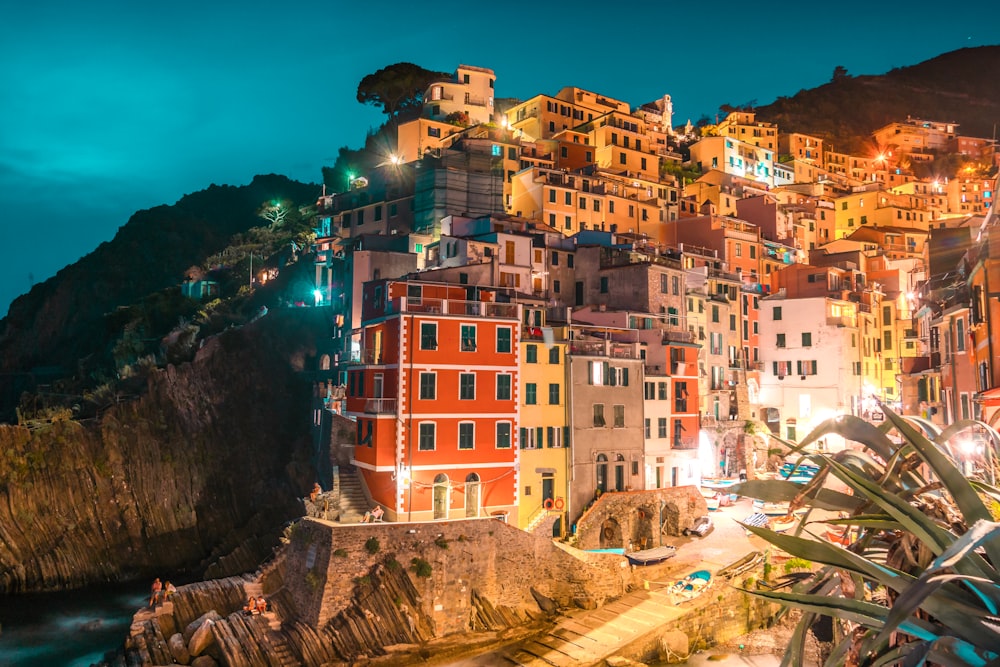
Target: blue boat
x: 690, y: 586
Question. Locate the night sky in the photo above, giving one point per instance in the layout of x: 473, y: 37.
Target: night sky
x: 111, y: 107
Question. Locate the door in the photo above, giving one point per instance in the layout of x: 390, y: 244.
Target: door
x: 579, y: 293
x: 548, y: 487
x: 377, y: 385
x: 619, y: 472
x: 602, y: 473
x: 473, y: 491
x: 441, y: 497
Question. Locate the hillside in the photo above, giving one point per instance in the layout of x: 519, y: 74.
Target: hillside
x: 959, y: 86
x: 65, y: 319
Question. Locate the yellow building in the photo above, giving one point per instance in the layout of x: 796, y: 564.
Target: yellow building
x: 544, y: 426
x: 544, y: 116
x: 571, y: 202
x: 468, y: 94
x: 744, y: 126
x: 875, y: 207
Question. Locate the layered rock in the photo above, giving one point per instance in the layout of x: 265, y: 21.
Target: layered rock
x: 199, y: 474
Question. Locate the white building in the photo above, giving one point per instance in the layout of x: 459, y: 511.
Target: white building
x: 811, y: 363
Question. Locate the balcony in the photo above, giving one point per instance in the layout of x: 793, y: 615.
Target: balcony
x: 380, y: 406
x: 603, y: 349
x: 690, y: 442
x: 453, y: 307
x: 677, y: 336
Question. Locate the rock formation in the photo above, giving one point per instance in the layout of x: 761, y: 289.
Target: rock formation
x: 199, y: 474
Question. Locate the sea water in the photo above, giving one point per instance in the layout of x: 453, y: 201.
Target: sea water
x: 72, y: 629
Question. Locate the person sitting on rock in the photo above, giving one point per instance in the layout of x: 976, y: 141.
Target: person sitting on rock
x: 261, y: 604
x: 251, y: 606
x: 154, y: 592
x: 168, y: 590
x: 316, y: 490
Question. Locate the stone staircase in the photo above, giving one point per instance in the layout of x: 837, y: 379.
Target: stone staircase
x: 278, y: 645
x: 353, y: 501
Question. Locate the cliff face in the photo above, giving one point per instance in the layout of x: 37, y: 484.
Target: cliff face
x: 198, y: 474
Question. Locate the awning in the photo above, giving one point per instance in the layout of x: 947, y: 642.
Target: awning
x: 990, y: 398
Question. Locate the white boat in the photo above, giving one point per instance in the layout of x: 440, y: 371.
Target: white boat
x: 771, y: 509
x: 690, y: 586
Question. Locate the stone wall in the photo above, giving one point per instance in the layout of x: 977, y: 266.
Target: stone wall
x: 720, y: 614
x: 326, y: 563
x: 617, y: 520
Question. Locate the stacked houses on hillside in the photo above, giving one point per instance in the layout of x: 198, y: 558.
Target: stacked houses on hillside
x: 531, y: 309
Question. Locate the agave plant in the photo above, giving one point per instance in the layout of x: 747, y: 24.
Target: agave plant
x: 918, y: 582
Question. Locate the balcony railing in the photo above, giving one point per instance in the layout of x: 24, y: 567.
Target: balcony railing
x: 380, y: 406
x: 603, y: 349
x: 452, y: 307
x: 690, y: 442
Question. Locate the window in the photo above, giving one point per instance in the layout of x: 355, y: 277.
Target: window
x: 428, y: 336
x: 715, y: 313
x: 531, y: 354
x: 807, y: 339
x: 619, y: 411
x: 503, y: 386
x: 503, y: 435
x: 776, y: 312
x: 604, y: 284
x: 428, y: 386
x: 680, y: 397
x: 806, y: 367
x: 555, y: 286
x: 959, y: 336
x: 663, y: 284
x: 598, y: 414
x: 555, y: 257
x: 468, y: 338
x: 662, y: 389
x: 675, y: 285
x: 732, y: 322
x: 780, y: 342
x: 426, y: 440
x: 467, y: 386
x: 661, y: 427
x: 645, y: 428
x: 503, y: 339
x: 569, y: 260
x: 649, y: 390
x: 553, y: 393
x: 466, y: 435
x: 554, y: 355
x: 530, y: 393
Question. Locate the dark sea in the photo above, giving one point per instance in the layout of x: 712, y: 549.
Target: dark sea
x: 72, y: 629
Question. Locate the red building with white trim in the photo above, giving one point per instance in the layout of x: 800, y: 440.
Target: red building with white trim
x: 435, y: 398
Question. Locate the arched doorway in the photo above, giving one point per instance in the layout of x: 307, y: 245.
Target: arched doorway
x: 602, y: 473
x: 619, y: 472
x: 611, y: 535
x: 324, y: 362
x: 441, y: 496
x: 473, y: 491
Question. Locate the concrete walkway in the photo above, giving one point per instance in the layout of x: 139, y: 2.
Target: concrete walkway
x: 589, y: 637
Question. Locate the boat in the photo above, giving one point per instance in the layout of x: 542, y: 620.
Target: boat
x: 781, y: 524
x: 771, y: 509
x: 690, y: 586
x: 713, y: 502
x: 745, y: 564
x: 651, y: 556
x: 839, y: 536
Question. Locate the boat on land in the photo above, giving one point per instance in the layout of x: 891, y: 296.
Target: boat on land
x: 711, y: 497
x: 781, y: 524
x: 839, y: 536
x: 651, y: 556
x: 744, y: 564
x: 690, y: 586
x: 771, y: 509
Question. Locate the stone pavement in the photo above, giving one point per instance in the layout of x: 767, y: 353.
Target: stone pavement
x: 589, y: 637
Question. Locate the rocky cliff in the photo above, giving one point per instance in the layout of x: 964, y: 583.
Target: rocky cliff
x: 198, y: 475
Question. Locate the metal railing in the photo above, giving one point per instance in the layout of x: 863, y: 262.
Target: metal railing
x: 380, y: 406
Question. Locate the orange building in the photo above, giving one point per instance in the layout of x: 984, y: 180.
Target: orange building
x: 435, y: 399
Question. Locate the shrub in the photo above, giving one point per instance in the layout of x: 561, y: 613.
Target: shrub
x: 372, y: 546
x: 441, y: 542
x: 340, y: 553
x: 420, y: 567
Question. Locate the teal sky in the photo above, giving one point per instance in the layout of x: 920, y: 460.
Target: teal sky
x: 110, y: 107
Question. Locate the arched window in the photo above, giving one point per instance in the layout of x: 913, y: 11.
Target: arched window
x: 473, y: 492
x: 441, y: 496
